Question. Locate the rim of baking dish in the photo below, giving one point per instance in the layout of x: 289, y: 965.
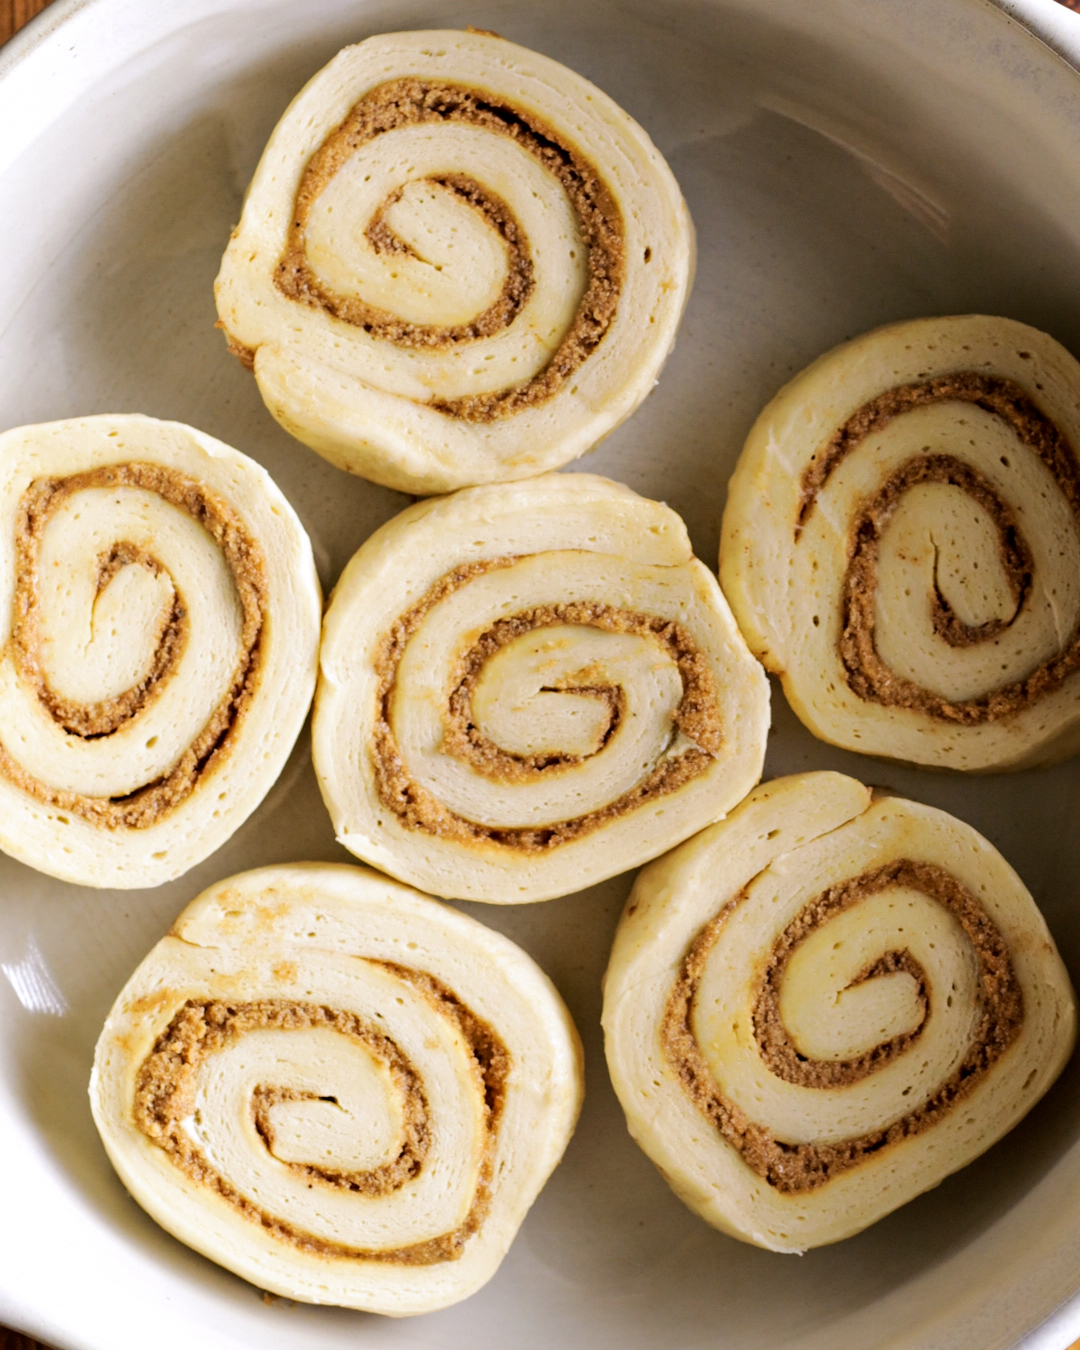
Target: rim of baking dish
x: 55, y: 59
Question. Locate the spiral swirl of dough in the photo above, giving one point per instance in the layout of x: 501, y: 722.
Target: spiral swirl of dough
x: 338, y: 1088
x: 902, y: 544
x: 824, y: 1005
x: 527, y: 688
x: 458, y: 263
x: 161, y: 616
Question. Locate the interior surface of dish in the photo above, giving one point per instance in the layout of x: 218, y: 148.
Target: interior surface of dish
x: 847, y: 163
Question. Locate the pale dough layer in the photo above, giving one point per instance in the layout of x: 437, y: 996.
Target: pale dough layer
x: 822, y: 1006
x: 159, y: 618
x: 527, y: 688
x: 902, y: 544
x: 338, y: 1088
x: 458, y: 262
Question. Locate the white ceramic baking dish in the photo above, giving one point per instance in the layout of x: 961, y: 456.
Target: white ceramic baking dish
x: 847, y: 162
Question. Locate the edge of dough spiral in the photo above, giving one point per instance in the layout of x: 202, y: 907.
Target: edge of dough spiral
x: 421, y: 1005
x: 753, y: 1083
x: 319, y: 373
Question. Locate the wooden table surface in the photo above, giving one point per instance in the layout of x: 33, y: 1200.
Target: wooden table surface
x: 13, y: 14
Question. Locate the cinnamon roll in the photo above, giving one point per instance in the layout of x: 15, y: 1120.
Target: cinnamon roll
x: 160, y: 616
x: 902, y: 544
x: 337, y: 1088
x: 458, y: 263
x: 824, y: 1005
x: 526, y: 688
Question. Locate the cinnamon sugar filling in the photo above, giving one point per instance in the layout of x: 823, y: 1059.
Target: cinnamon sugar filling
x: 867, y: 675
x: 413, y: 102
x: 516, y: 289
x: 147, y: 805
x: 697, y: 716
x: 165, y: 1091
x: 793, y: 1168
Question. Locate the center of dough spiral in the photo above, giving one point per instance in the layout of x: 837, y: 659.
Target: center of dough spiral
x: 1010, y: 580
x: 171, y: 1082
x: 128, y: 619
x: 436, y: 216
x: 590, y: 679
x: 996, y: 1017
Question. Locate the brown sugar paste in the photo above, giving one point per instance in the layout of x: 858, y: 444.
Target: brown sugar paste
x: 165, y: 1095
x: 792, y: 1168
x: 147, y: 805
x: 410, y: 102
x: 697, y: 716
x: 867, y: 674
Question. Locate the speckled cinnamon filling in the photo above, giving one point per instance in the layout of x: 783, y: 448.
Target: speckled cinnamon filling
x: 867, y: 675
x: 416, y: 1130
x: 464, y: 740
x: 165, y: 1091
x: 791, y: 1168
x: 90, y: 720
x: 515, y: 292
x: 992, y: 393
x: 412, y: 102
x: 697, y: 716
x: 148, y: 804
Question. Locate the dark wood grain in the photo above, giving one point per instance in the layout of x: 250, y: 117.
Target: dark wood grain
x: 13, y: 14
x: 13, y: 1340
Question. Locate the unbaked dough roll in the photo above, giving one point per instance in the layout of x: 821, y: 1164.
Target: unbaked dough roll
x: 458, y: 262
x: 338, y: 1088
x: 159, y: 627
x: 821, y: 1007
x: 902, y: 544
x: 529, y: 687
